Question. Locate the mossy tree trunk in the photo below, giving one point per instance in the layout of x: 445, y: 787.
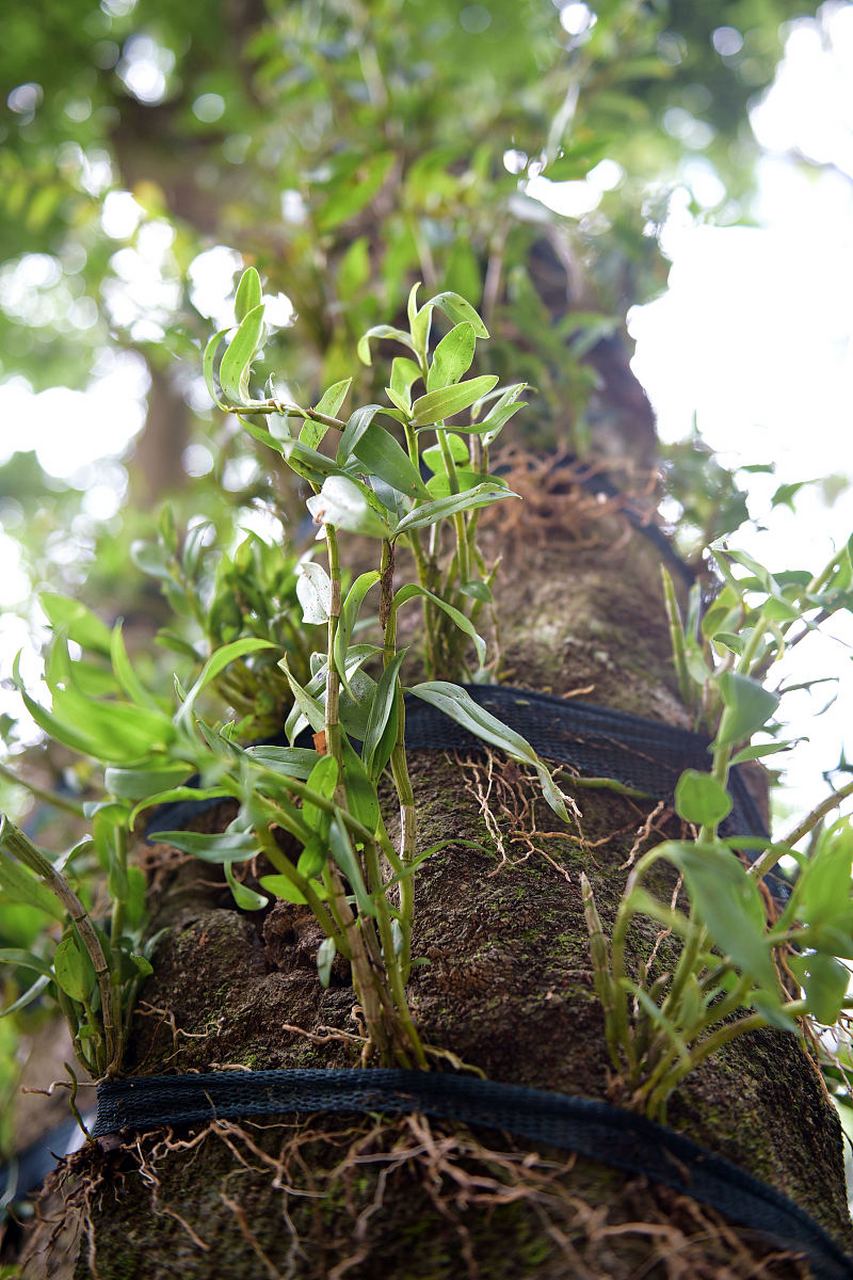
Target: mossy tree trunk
x: 507, y: 988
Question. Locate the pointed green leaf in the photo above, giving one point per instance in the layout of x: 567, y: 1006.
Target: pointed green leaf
x: 464, y: 624
x: 24, y: 960
x: 280, y: 887
x: 208, y: 365
x: 362, y: 800
x: 380, y: 331
x: 19, y: 884
x: 249, y: 294
x: 291, y: 762
x: 461, y: 707
x: 459, y: 311
x: 435, y: 406
x: 344, y: 855
x: 73, y: 969
x: 429, y: 513
x: 237, y: 361
x: 245, y: 898
x: 216, y: 664
x: 404, y: 374
x: 384, y: 701
x: 349, y: 616
x: 452, y: 357
x: 329, y: 404
x: 125, y: 674
x: 728, y: 901
x: 359, y: 421
x: 138, y: 784
x: 322, y: 781
x: 227, y: 846
x: 747, y: 707
x: 76, y: 621
x: 382, y: 456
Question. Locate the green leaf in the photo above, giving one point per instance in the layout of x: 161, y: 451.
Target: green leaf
x: 307, y: 463
x: 76, y: 621
x: 291, y: 762
x: 175, y: 795
x: 344, y: 503
x: 360, y: 419
x: 69, y: 735
x: 313, y: 857
x: 118, y: 732
x: 245, y: 898
x: 216, y: 664
x: 435, y: 406
x: 344, y: 855
x: 314, y: 592
x: 19, y: 884
x: 140, y: 783
x: 701, y: 799
x: 349, y: 616
x: 728, y: 901
x: 24, y: 960
x: 434, y: 458
x: 764, y: 749
x: 329, y: 404
x: 352, y: 188
x: 228, y: 846
x: 747, y: 707
x: 362, y: 800
x: 824, y: 980
x: 142, y: 964
x: 325, y: 959
x: 461, y: 707
x: 377, y: 748
x: 73, y: 969
x: 237, y: 361
x: 211, y: 351
x: 457, y: 309
x: 823, y: 890
x: 466, y: 479
x: 249, y: 294
x: 125, y: 674
x: 452, y: 357
x: 304, y: 705
x: 380, y: 331
x: 459, y: 619
x: 27, y: 997
x: 322, y: 781
x: 404, y: 374
x: 382, y: 456
x: 281, y: 887
x: 429, y: 513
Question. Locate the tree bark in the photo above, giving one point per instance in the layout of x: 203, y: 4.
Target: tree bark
x: 507, y: 988
x: 158, y: 457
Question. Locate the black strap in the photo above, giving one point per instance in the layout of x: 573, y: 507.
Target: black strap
x: 598, y: 742
x: 593, y: 1129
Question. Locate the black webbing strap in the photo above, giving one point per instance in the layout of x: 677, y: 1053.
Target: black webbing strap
x: 597, y: 742
x: 593, y: 1129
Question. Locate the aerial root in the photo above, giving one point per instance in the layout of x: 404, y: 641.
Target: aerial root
x: 344, y: 1193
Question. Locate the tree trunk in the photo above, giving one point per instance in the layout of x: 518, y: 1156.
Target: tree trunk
x: 158, y: 457
x: 507, y: 988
